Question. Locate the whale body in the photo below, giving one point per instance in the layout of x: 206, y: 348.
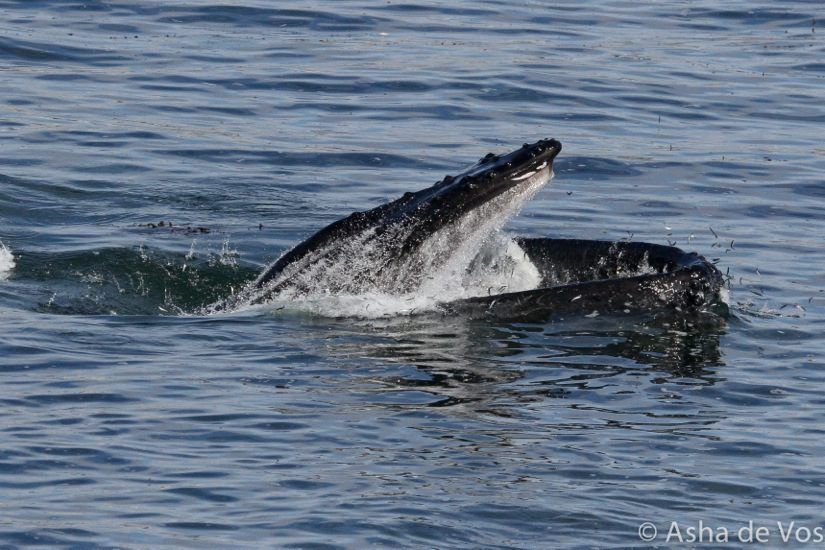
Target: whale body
x: 445, y: 231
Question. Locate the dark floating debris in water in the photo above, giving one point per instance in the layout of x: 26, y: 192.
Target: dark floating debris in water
x: 186, y: 229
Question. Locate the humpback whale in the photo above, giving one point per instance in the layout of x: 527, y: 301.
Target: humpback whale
x: 446, y: 230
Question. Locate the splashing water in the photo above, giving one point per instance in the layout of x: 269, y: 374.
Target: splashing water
x: 6, y: 262
x: 228, y: 256
x: 470, y: 257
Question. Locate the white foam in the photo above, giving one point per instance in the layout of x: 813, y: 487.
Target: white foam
x: 502, y: 266
x: 724, y: 295
x: 6, y: 262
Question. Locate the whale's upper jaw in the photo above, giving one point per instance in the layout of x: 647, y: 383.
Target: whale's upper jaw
x: 518, y: 165
x: 455, y: 196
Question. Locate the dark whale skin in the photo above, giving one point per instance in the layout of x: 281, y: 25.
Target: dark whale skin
x: 580, y: 277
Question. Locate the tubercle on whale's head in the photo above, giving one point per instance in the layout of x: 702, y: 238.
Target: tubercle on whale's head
x: 454, y: 196
x: 515, y: 166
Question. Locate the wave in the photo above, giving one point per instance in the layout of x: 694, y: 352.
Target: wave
x: 127, y: 281
x: 6, y: 261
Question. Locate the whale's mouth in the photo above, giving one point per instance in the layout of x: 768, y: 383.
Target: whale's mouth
x: 419, y: 248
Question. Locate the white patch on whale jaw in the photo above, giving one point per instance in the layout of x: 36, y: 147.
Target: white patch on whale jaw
x: 362, y: 276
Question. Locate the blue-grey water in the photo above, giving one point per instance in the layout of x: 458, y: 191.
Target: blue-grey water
x: 250, y: 124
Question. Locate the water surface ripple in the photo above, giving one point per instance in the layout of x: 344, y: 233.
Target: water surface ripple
x: 248, y: 126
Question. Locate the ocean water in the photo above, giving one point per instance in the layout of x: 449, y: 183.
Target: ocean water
x: 154, y: 156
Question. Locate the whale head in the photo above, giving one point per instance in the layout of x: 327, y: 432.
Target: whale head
x: 454, y: 197
x: 391, y: 247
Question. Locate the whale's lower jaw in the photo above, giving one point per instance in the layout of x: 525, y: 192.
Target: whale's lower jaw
x: 593, y: 278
